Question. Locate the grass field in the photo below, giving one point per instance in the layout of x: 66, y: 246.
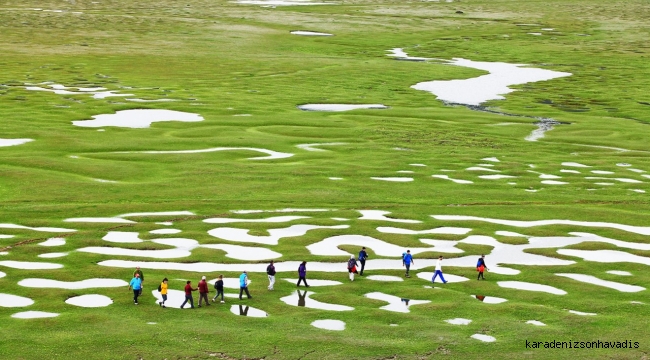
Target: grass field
x: 239, y: 68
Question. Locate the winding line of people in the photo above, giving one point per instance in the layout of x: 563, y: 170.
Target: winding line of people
x: 407, y: 259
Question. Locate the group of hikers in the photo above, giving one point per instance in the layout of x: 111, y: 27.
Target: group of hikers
x: 352, y: 265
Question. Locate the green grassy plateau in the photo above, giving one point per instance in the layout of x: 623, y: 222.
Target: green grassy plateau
x: 220, y: 59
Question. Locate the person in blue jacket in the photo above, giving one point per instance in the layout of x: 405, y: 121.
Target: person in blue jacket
x: 363, y: 255
x: 243, y: 285
x: 480, y: 267
x: 407, y: 260
x: 136, y: 286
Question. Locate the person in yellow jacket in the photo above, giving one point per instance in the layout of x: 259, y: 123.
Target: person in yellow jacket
x: 163, y: 292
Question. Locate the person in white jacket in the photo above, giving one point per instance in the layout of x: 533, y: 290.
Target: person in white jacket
x: 438, y: 271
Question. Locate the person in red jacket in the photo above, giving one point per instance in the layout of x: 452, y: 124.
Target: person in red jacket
x: 203, y: 291
x: 188, y: 294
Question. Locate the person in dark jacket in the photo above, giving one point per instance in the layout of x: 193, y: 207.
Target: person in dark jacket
x: 188, y: 294
x: 270, y: 271
x: 203, y: 291
x: 352, y: 267
x: 480, y: 267
x: 363, y: 255
x: 302, y: 274
x: 218, y: 285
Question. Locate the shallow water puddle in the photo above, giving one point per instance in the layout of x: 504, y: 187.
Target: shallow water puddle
x: 122, y: 237
x: 165, y: 223
x: 619, y: 272
x: 608, y: 284
x: 575, y: 164
x: 393, y: 179
x: 164, y: 231
x: 395, y: 304
x: 488, y: 299
x: 458, y: 321
x: 440, y: 230
x: 274, y: 3
x: 570, y: 171
x: 554, y: 182
x: 509, y: 233
x: 449, y: 277
x: 107, y: 220
x: 90, y: 301
x: 457, y: 181
x: 478, y: 168
x: 272, y: 155
x: 535, y: 322
x: 582, y: 313
x: 2, y: 274
x: 274, y: 219
x: 316, y: 282
x: 339, y: 107
x: 520, y: 285
x: 309, y: 33
x: 420, y: 165
x: 158, y: 213
x: 496, y: 177
x: 334, y: 325
x: 8, y: 300
x: 605, y: 256
x: 484, y: 338
x: 13, y: 142
x: 286, y: 210
x: 623, y: 180
x: 302, y: 299
x: 381, y: 215
x: 492, y: 86
x: 493, y: 159
x: 34, y: 315
x: 241, y: 235
x: 27, y: 265
x: 384, y: 278
x: 73, y: 285
x: 138, y: 118
x: 245, y: 310
x: 52, y: 255
x: 53, y: 242
x: 312, y: 147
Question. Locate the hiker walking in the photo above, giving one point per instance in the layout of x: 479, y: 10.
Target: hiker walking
x: 407, y: 260
x: 352, y: 267
x: 163, y: 291
x: 480, y: 267
x: 218, y: 285
x: 363, y: 255
x: 243, y: 285
x: 270, y: 271
x: 302, y: 274
x: 136, y: 286
x: 188, y: 294
x: 438, y: 271
x: 203, y: 291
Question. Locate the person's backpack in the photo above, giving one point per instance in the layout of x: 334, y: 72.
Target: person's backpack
x: 215, y: 284
x: 160, y: 287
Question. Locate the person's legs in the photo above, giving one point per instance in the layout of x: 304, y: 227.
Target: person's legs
x: 363, y: 266
x: 191, y: 301
x: 301, y: 279
x: 220, y: 292
x: 241, y: 291
x: 442, y: 277
x: 247, y: 293
x: 435, y: 275
x: 184, y: 302
x: 351, y: 275
x: 136, y: 293
x: 481, y: 275
x: 271, y: 281
x: 164, y: 297
x: 408, y: 267
x: 200, y: 299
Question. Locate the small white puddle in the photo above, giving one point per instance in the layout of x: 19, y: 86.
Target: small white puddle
x: 2, y: 274
x: 604, y: 183
x: 619, y: 272
x: 302, y: 299
x: 14, y: 142
x: 395, y: 304
x: 312, y: 147
x: 245, y: 310
x: 165, y: 231
x: 138, y: 118
x: 420, y: 165
x: 602, y: 172
x: 53, y: 242
x: 535, y: 322
x: 316, y: 283
x: 484, y: 338
x: 509, y: 233
x: 158, y: 213
x: 335, y: 325
x: 274, y: 3
x: 638, y: 191
x: 7, y: 236
x: 478, y: 168
x: 393, y: 179
x: 440, y: 230
x: 335, y: 178
x: 34, y: 315
x: 570, y: 171
x: 73, y: 285
x: 287, y: 210
x: 383, y: 278
x: 52, y: 255
x: 101, y: 220
x: 241, y: 235
x: 310, y: 33
x: 90, y: 301
x: 553, y: 182
x: 381, y: 216
x: 623, y: 180
x: 26, y: 265
x: 165, y: 223
x: 520, y: 285
x: 272, y: 155
x: 575, y: 164
x: 405, y: 171
x: 535, y: 33
x: 449, y: 277
x: 41, y: 229
x: 605, y: 256
x: 339, y: 107
x: 582, y: 313
x: 608, y: 284
x: 122, y: 237
x: 488, y: 299
x: 8, y: 300
x: 275, y: 219
x: 496, y: 177
x: 493, y: 159
x: 150, y: 100
x: 457, y: 181
x: 459, y: 321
